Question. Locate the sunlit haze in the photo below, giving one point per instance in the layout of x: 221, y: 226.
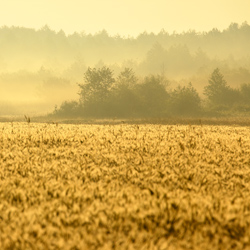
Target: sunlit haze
x: 129, y: 17
x: 46, y: 48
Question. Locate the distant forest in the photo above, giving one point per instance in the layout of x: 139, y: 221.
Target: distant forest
x: 104, y: 96
x: 43, y: 68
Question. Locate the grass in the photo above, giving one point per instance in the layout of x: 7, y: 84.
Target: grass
x: 230, y: 121
x: 124, y: 186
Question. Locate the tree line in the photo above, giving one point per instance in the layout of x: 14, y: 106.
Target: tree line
x: 146, y: 53
x: 40, y: 68
x: 101, y: 95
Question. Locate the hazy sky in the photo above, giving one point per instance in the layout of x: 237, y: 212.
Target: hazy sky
x: 126, y: 17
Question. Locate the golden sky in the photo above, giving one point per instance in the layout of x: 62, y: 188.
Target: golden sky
x: 124, y: 17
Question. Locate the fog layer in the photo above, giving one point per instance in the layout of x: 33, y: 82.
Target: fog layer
x: 41, y: 68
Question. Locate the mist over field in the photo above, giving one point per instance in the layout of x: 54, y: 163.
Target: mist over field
x: 124, y: 124
x: 40, y: 69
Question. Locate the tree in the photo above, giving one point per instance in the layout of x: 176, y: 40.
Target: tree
x: 185, y: 101
x: 98, y: 83
x: 95, y: 92
x: 68, y: 109
x: 127, y: 78
x: 245, y: 93
x: 155, y: 59
x: 244, y: 104
x: 216, y: 89
x: 153, y: 97
x: 124, y: 101
x: 220, y: 96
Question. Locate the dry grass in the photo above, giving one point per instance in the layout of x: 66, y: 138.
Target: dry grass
x: 124, y: 186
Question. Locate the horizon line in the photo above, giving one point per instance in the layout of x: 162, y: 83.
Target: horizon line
x: 83, y: 32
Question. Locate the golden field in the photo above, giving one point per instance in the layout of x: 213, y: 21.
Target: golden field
x: 124, y: 186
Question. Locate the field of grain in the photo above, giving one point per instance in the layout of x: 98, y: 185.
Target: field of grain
x: 124, y: 186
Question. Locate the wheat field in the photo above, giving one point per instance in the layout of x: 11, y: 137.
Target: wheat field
x: 124, y: 186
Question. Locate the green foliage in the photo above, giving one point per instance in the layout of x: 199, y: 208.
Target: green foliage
x: 242, y: 106
x: 68, y: 109
x: 216, y: 88
x: 56, y: 49
x: 123, y: 98
x: 103, y: 96
x: 65, y: 58
x: 155, y: 59
x: 95, y: 92
x: 185, y: 101
x: 221, y: 97
x: 245, y: 93
x: 153, y: 97
x: 218, y: 92
x: 127, y: 78
x: 98, y: 83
